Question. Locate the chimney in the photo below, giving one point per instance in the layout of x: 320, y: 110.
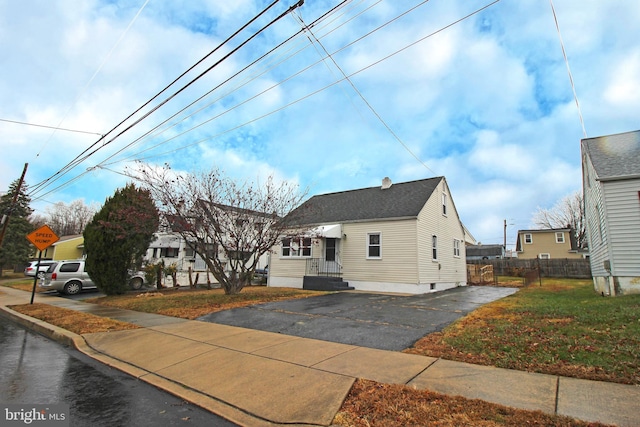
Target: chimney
x: 386, y: 183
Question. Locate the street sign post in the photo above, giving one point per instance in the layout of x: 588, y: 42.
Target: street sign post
x: 41, y: 238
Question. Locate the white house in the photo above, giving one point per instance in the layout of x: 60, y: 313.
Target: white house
x: 404, y: 237
x: 611, y: 188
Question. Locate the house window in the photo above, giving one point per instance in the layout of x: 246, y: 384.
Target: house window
x: 528, y: 238
x: 456, y: 248
x: 296, y: 247
x: 169, y: 252
x: 444, y: 204
x: 544, y: 256
x: 374, y: 246
x: 434, y: 247
x: 560, y: 237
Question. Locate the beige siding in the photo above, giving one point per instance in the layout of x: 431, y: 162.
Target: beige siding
x: 544, y: 242
x: 398, y: 261
x: 291, y: 266
x: 432, y: 222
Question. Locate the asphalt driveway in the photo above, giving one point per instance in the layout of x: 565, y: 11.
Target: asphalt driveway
x: 383, y: 321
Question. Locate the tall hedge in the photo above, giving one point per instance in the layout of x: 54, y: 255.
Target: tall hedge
x: 118, y: 236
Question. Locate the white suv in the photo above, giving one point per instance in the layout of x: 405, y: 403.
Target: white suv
x: 42, y: 268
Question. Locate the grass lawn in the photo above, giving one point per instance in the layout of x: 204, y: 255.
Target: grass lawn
x: 562, y: 327
x: 192, y: 303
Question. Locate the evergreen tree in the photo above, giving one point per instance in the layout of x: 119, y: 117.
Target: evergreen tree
x: 118, y: 236
x: 15, y: 248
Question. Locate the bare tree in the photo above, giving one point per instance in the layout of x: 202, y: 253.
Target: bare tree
x: 229, y: 224
x: 70, y: 219
x: 567, y: 213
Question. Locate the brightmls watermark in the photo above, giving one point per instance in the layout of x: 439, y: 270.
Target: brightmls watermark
x: 55, y: 415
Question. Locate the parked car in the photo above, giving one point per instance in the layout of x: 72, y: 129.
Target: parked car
x: 69, y: 277
x: 42, y: 268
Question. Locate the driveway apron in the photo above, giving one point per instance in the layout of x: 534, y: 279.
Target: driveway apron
x: 382, y: 321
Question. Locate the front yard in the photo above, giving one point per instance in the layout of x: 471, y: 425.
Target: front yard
x: 561, y: 328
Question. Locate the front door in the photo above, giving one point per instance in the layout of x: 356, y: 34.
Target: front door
x: 331, y: 264
x: 330, y: 249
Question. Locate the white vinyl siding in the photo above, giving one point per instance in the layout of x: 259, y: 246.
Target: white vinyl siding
x: 622, y: 202
x: 595, y: 222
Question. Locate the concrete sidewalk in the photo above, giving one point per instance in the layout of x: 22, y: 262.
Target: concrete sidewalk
x: 256, y: 378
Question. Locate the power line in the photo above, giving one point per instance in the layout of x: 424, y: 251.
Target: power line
x: 314, y: 92
x: 309, y: 94
x: 49, y: 127
x: 566, y: 61
x: 93, y: 77
x: 366, y: 102
x: 79, y: 158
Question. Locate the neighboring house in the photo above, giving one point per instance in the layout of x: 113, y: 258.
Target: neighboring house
x: 67, y: 247
x: 552, y: 243
x: 171, y: 248
x: 475, y: 252
x: 403, y: 237
x: 611, y: 189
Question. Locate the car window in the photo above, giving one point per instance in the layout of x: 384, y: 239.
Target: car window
x: 69, y: 267
x: 52, y: 267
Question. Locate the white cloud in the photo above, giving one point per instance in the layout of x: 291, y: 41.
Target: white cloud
x: 486, y: 103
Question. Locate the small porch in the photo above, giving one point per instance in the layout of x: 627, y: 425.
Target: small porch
x: 324, y: 275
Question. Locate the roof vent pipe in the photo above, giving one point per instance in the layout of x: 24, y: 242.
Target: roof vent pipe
x: 386, y: 183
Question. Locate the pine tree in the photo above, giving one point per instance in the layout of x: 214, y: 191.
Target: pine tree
x: 15, y: 248
x: 118, y: 236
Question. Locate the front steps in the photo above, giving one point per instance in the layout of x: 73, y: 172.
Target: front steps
x: 325, y: 283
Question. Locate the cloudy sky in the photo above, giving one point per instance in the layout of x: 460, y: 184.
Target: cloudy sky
x: 476, y: 91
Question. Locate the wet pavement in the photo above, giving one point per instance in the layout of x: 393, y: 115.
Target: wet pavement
x: 36, y: 370
x: 381, y: 321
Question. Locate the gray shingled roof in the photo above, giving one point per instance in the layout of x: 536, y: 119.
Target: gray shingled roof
x: 400, y: 200
x: 614, y: 156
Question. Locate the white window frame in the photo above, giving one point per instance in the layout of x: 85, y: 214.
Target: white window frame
x: 434, y: 248
x: 370, y: 245
x: 544, y: 256
x: 444, y: 204
x: 559, y: 237
x: 456, y: 248
x: 297, y: 251
x: 530, y: 238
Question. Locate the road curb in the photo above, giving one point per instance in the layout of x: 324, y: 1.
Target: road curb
x: 70, y: 339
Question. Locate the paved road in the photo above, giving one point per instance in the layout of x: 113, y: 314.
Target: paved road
x: 35, y: 370
x: 387, y: 322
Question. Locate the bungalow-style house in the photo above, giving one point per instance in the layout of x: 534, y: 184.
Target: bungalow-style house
x: 551, y: 243
x: 67, y: 247
x: 611, y: 189
x: 478, y: 252
x: 403, y: 237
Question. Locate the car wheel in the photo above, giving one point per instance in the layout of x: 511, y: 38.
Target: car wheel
x: 72, y: 288
x: 135, y: 283
x: 41, y: 275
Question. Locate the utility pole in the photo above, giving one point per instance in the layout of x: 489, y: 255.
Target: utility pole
x: 505, y: 235
x: 5, y: 217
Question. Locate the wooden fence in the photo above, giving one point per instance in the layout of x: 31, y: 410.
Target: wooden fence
x: 478, y: 274
x: 568, y: 268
